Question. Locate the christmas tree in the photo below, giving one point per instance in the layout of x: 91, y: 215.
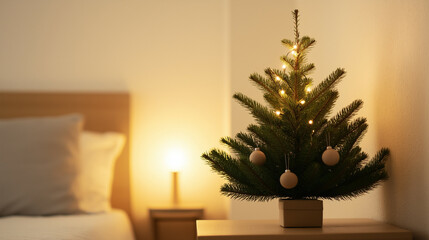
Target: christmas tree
x: 296, y: 133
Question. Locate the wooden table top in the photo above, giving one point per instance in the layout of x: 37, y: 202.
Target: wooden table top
x: 333, y: 229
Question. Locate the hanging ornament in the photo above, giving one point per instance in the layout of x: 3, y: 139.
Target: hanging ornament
x: 288, y: 179
x: 257, y: 157
x: 330, y: 156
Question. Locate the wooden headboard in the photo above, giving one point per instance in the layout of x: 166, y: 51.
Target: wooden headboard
x: 102, y: 111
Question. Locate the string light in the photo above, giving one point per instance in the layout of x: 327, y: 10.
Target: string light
x: 282, y: 92
x: 284, y: 66
x: 278, y: 113
x: 310, y: 122
x: 308, y: 89
x: 278, y: 78
x: 302, y: 101
x: 293, y: 51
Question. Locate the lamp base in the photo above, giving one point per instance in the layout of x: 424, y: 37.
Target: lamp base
x: 175, y: 188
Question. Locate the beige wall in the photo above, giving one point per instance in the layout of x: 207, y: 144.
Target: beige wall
x: 171, y: 56
x: 381, y: 44
x: 256, y: 30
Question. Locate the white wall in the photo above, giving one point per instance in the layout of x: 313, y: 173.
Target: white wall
x: 171, y: 56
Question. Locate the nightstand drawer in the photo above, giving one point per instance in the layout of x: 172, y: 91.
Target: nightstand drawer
x: 175, y: 223
x: 175, y: 229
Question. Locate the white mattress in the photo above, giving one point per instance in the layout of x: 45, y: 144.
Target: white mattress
x: 110, y: 226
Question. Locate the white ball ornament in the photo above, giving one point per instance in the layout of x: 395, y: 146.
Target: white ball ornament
x: 330, y: 156
x: 257, y: 157
x: 288, y: 179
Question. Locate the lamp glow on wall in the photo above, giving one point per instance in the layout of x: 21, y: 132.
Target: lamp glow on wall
x: 175, y: 161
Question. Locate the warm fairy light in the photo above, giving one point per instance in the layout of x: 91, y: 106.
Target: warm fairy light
x: 302, y: 101
x: 278, y: 113
x: 308, y: 89
x: 294, y: 53
x: 310, y: 122
x: 282, y: 92
x: 295, y: 46
x: 284, y: 66
x: 277, y: 78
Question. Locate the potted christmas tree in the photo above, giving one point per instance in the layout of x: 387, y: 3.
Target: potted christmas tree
x: 296, y: 151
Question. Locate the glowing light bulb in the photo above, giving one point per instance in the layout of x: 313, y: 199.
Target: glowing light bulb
x: 277, y: 78
x: 278, y: 113
x: 175, y: 159
x: 284, y: 66
x: 294, y: 53
x: 282, y: 92
x: 295, y: 46
x: 308, y: 89
x: 310, y: 122
x: 302, y: 101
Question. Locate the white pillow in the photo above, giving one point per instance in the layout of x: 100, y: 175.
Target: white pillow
x: 98, y: 155
x: 38, y: 165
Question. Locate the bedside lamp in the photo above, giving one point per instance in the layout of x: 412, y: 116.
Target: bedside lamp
x: 175, y: 159
x: 176, y: 221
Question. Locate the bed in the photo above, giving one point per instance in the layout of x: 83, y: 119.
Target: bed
x: 102, y: 112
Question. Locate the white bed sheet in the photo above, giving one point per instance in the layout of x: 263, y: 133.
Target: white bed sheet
x: 103, y: 226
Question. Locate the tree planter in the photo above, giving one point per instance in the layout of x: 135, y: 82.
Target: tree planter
x: 300, y: 213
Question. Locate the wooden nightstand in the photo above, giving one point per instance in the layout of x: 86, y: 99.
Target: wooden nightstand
x: 178, y: 223
x: 338, y: 229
